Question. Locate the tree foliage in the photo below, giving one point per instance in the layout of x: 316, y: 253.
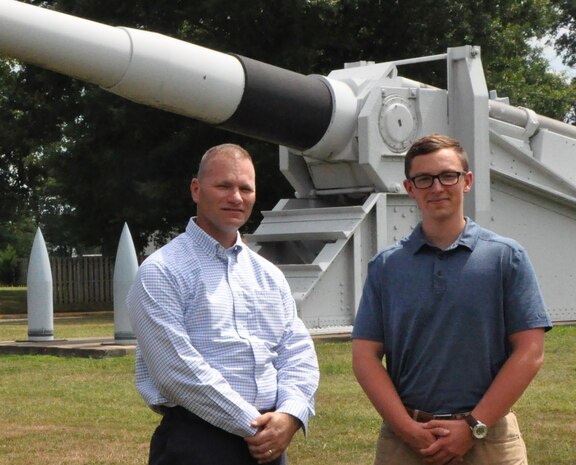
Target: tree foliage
x: 81, y: 161
x: 565, y: 44
x: 566, y: 31
x: 26, y: 130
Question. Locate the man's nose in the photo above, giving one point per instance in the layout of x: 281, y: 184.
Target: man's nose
x: 235, y: 195
x: 436, y: 184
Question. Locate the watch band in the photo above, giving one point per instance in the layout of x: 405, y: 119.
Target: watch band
x: 479, y: 429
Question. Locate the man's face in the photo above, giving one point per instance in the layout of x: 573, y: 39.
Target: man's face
x: 225, y: 196
x: 439, y: 202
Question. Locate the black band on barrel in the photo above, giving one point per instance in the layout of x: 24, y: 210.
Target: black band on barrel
x: 281, y: 106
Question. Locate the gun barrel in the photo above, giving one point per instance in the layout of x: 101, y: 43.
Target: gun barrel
x: 234, y: 92
x: 83, y: 49
x: 521, y: 117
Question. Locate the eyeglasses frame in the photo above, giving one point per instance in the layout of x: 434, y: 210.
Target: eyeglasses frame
x: 437, y: 176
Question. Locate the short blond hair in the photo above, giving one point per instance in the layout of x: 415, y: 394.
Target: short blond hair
x: 229, y: 149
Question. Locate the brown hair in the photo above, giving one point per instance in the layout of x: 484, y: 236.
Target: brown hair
x: 432, y: 143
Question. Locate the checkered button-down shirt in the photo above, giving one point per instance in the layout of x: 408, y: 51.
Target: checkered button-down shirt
x: 218, y: 334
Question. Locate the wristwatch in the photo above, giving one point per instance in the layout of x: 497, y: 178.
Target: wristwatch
x: 479, y: 429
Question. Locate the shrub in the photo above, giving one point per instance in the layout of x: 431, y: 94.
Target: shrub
x: 8, y: 266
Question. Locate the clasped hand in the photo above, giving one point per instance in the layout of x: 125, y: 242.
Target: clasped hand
x: 452, y: 440
x: 275, y: 431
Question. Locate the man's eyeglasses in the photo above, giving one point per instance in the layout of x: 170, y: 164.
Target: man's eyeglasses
x: 424, y: 181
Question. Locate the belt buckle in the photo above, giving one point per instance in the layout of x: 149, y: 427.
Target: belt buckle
x: 443, y: 416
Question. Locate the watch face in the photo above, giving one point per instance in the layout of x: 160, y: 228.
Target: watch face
x: 480, y: 431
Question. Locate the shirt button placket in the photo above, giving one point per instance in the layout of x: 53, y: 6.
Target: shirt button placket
x: 439, y: 279
x: 239, y: 306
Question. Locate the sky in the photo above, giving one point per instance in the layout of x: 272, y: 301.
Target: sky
x: 554, y: 60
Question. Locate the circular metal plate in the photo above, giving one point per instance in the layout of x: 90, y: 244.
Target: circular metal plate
x: 397, y: 123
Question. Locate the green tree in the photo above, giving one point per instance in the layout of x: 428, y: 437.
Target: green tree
x: 565, y: 44
x: 8, y: 265
x: 100, y: 161
x: 30, y: 122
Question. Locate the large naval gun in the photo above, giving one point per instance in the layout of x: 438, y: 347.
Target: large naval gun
x: 342, y: 140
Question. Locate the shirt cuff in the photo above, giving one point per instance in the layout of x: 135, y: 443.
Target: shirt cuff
x: 297, y: 409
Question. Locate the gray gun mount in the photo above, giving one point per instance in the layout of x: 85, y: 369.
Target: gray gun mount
x: 342, y: 140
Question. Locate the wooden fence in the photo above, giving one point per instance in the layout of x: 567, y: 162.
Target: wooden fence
x: 80, y: 283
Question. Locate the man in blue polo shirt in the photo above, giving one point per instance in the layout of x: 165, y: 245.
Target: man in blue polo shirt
x: 456, y: 312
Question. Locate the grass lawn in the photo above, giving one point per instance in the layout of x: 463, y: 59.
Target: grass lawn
x: 72, y: 411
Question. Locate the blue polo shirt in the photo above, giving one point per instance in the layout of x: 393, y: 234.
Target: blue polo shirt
x: 444, y: 316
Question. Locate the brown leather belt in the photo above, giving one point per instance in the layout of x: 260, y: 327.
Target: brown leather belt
x: 423, y: 417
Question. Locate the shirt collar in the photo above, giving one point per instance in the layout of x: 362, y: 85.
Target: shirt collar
x: 210, y: 245
x: 468, y: 238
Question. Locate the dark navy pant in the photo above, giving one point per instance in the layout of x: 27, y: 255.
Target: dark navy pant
x: 183, y: 438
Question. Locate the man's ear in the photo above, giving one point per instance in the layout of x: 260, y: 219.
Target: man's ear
x: 468, y: 180
x: 194, y: 187
x: 409, y: 188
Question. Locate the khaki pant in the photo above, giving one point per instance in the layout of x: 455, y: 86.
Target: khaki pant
x: 502, y: 446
